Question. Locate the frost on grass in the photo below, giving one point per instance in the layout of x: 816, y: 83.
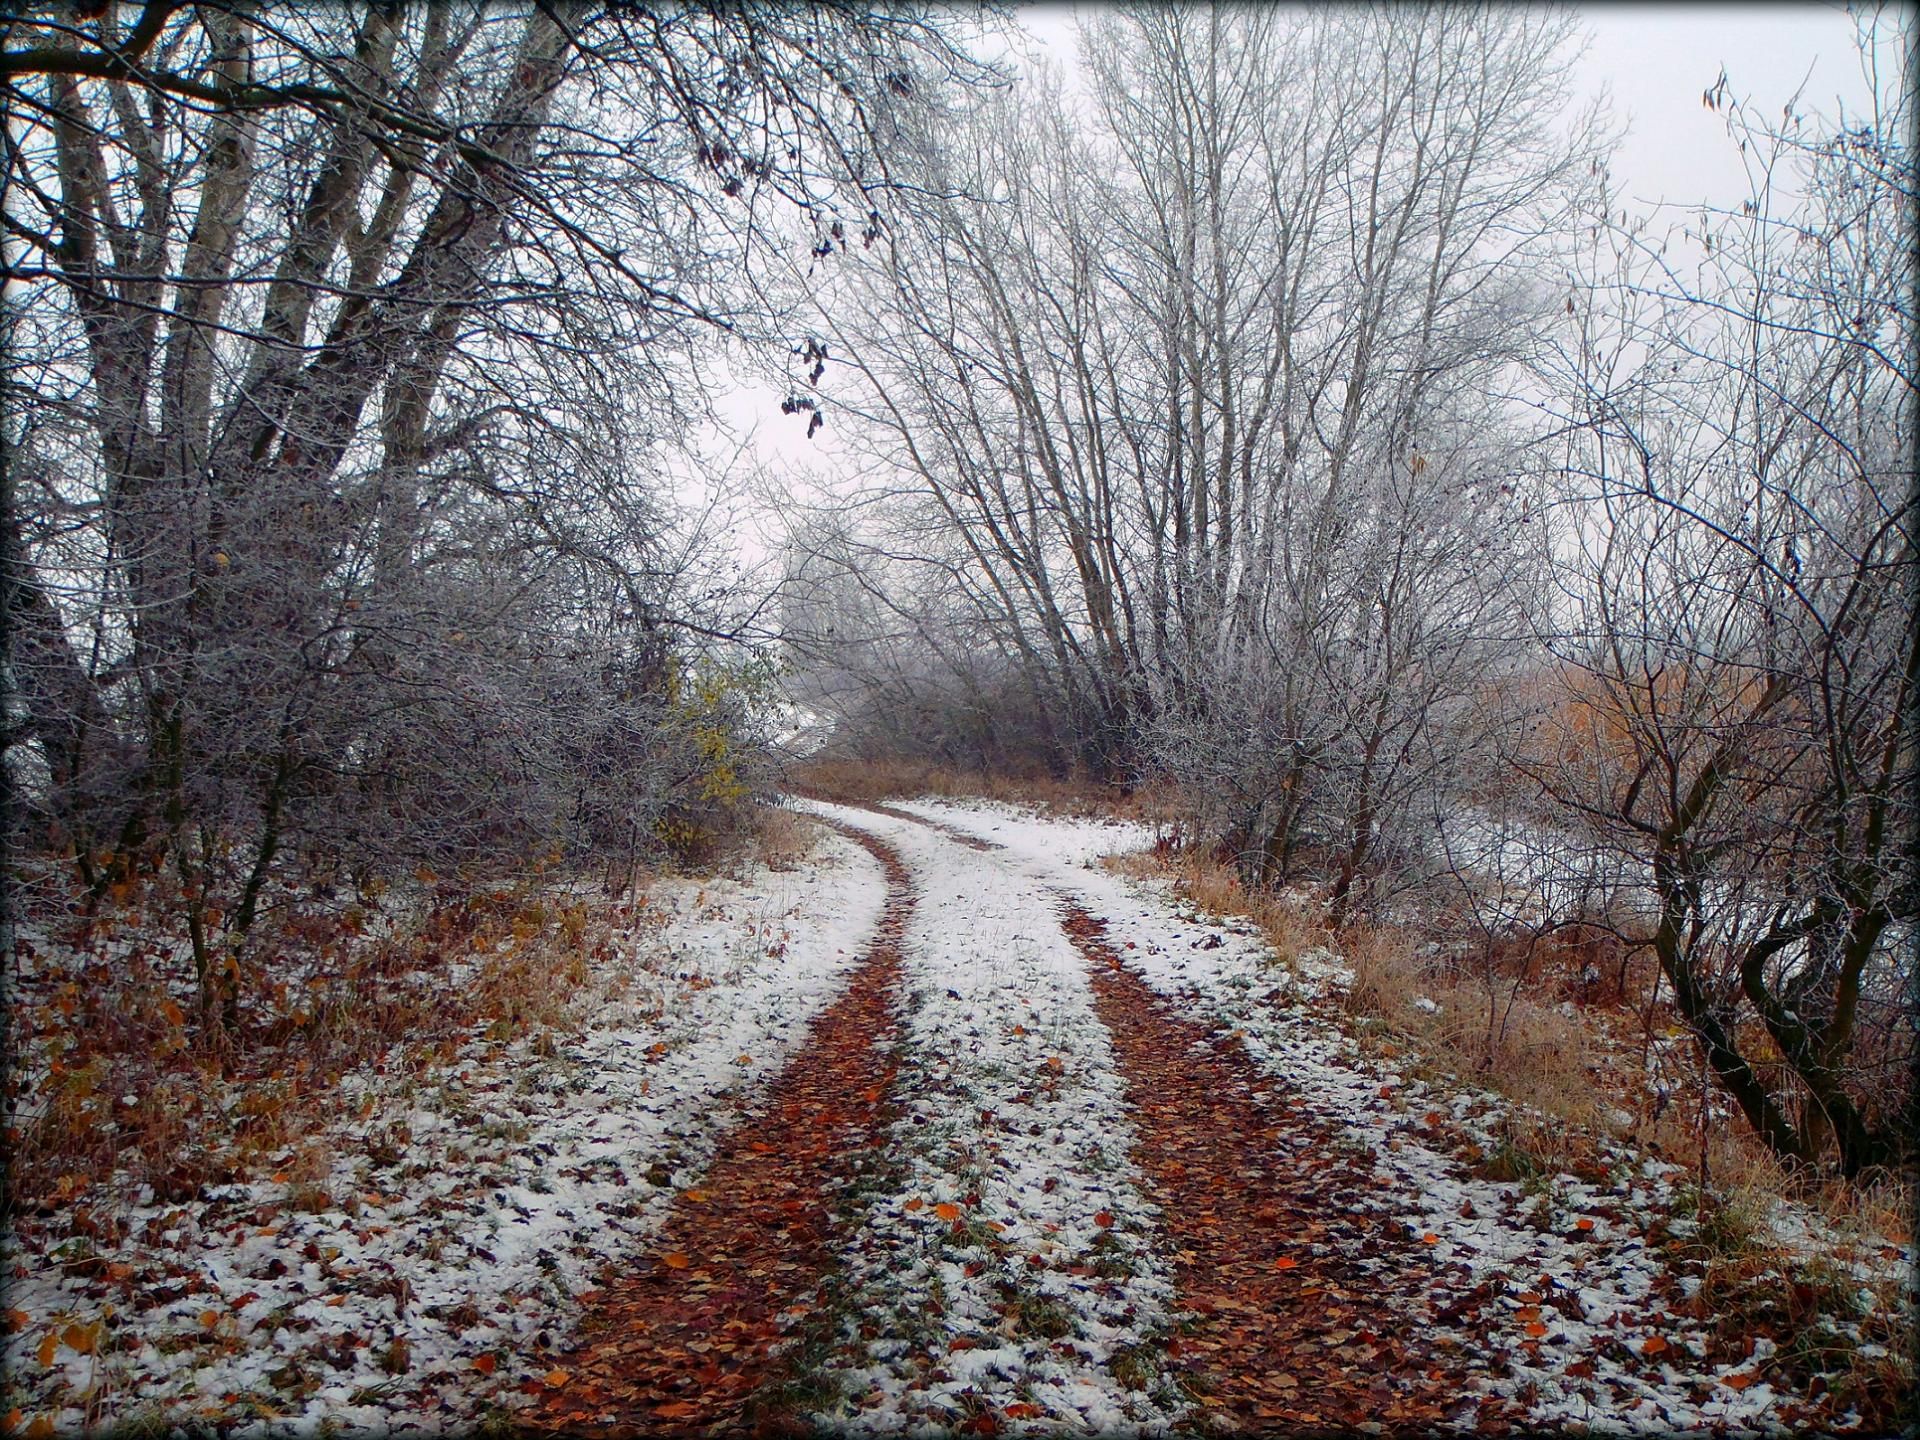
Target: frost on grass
x: 1008, y: 1263
x: 413, y: 1264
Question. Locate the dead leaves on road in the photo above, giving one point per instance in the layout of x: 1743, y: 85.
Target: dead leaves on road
x: 1268, y: 1247
x: 682, y: 1343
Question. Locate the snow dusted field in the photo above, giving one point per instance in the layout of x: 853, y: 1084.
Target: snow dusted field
x: 1004, y: 1256
x: 444, y: 1271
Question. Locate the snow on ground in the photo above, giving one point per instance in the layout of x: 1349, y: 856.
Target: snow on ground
x: 1569, y: 1257
x: 1015, y: 1254
x: 436, y: 1266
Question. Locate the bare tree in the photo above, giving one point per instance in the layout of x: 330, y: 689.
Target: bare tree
x: 346, y: 341
x: 1199, y: 382
x: 1737, y: 621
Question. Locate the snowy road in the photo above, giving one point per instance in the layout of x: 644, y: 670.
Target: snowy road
x: 965, y: 1134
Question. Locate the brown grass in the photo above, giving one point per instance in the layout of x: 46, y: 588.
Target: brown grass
x: 133, y: 1092
x: 859, y: 782
x: 784, y: 838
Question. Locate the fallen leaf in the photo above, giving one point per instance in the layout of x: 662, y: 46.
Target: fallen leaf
x: 49, y: 1347
x: 743, y: 1058
x: 18, y: 1319
x: 677, y: 1410
x: 1583, y: 1223
x: 556, y: 1379
x: 1430, y: 1238
x: 1103, y: 1218
x: 1021, y: 1410
x: 947, y: 1210
x: 211, y: 1318
x: 675, y: 1260
x: 1536, y: 1329
x: 1285, y: 1262
x: 484, y: 1364
x: 915, y: 1204
x: 1652, y: 1345
x: 1738, y: 1380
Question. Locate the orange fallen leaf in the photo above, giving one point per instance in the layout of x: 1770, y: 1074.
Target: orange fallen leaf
x: 484, y: 1364
x: 1429, y: 1238
x: 211, y: 1318
x: 697, y: 1197
x: 675, y: 1260
x: 916, y: 1204
x: 40, y: 1427
x: 1536, y: 1329
x: 1583, y: 1223
x: 11, y: 1421
x: 556, y: 1379
x: 743, y: 1058
x: 1738, y: 1380
x: 1285, y: 1262
x: 1652, y: 1345
x: 18, y: 1319
x: 677, y: 1410
x: 49, y: 1347
x: 1103, y: 1218
x: 947, y: 1210
x: 1021, y: 1410
x: 1386, y: 1092
x: 1055, y: 1064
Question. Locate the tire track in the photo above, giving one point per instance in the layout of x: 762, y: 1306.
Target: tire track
x: 1289, y: 1279
x: 686, y: 1341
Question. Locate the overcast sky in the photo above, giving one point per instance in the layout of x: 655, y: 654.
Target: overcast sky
x: 1653, y: 60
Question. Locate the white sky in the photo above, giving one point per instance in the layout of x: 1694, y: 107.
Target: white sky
x: 1653, y: 60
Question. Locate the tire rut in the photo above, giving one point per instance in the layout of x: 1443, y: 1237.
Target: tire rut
x: 1291, y: 1284
x: 687, y: 1339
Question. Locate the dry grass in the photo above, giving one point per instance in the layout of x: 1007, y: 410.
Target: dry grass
x: 784, y: 838
x: 862, y: 782
x: 113, y: 1085
x: 1476, y: 1025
